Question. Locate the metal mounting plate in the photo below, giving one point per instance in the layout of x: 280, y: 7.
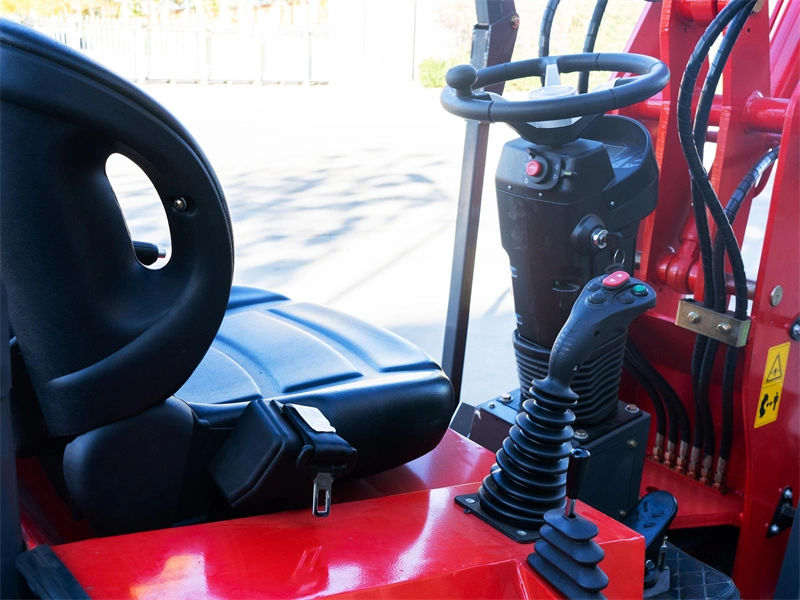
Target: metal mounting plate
x: 723, y: 327
x: 471, y: 504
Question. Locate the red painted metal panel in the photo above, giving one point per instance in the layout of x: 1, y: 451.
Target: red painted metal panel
x: 773, y: 450
x: 412, y: 545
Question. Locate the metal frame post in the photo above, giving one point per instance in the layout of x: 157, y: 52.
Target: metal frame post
x: 493, y: 39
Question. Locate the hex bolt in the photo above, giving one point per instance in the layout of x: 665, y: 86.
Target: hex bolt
x: 492, y: 404
x: 469, y: 500
x: 600, y: 238
x: 514, y: 21
x: 774, y: 529
x: 631, y: 408
x: 521, y: 532
x: 505, y: 398
x: 724, y: 328
x: 693, y: 317
x: 633, y: 444
x: 179, y: 204
x: 787, y: 494
x: 580, y: 434
x: 776, y: 295
x: 795, y: 331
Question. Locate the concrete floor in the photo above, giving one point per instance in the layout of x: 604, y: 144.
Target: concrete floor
x: 346, y: 196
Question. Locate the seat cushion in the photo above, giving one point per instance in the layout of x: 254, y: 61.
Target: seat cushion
x: 385, y: 396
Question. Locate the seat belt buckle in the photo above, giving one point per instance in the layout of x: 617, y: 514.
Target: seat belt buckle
x: 321, y: 504
x: 325, y: 454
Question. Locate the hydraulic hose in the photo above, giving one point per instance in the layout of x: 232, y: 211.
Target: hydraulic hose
x: 544, y: 30
x: 749, y: 181
x: 717, y: 264
x: 703, y: 196
x: 588, y: 44
x: 678, y: 417
x: 633, y: 367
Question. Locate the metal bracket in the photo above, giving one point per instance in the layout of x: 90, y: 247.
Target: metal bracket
x: 471, y: 504
x: 723, y: 327
x: 784, y: 514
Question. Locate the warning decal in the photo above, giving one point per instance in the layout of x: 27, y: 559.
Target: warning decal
x: 769, y: 400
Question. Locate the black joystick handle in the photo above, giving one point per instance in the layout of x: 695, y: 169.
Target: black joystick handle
x: 604, y: 308
x: 576, y: 475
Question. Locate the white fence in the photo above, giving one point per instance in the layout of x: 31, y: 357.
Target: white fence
x: 146, y: 53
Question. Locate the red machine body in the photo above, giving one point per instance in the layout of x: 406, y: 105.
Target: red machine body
x: 760, y: 99
x: 399, y: 534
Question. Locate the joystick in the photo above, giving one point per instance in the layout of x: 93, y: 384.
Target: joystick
x: 529, y: 478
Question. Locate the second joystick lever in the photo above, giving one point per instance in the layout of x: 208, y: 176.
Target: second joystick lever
x: 567, y: 556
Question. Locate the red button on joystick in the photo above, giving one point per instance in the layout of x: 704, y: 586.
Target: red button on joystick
x: 616, y: 279
x: 534, y: 168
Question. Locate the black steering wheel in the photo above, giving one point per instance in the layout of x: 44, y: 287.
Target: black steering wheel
x: 459, y: 99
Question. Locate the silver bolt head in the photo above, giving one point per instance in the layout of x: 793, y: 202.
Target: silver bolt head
x: 505, y: 397
x: 521, y: 532
x: 776, y: 295
x: 796, y: 330
x: 787, y: 494
x: 633, y: 444
x: 581, y: 434
x: 492, y: 404
x: 724, y: 328
x: 693, y: 317
x: 631, y: 408
x: 774, y: 529
x: 179, y: 204
x: 470, y: 500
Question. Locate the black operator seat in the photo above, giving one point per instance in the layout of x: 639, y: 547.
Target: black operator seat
x: 128, y: 380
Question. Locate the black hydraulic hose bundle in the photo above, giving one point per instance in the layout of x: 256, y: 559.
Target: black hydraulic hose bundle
x: 588, y: 44
x: 635, y: 369
x: 679, y: 425
x: 718, y: 285
x: 544, y: 29
x: 703, y: 196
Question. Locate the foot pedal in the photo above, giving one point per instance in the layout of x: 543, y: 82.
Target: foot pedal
x: 651, y: 517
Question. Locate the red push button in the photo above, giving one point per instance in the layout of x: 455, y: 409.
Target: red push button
x: 534, y: 168
x: 616, y: 279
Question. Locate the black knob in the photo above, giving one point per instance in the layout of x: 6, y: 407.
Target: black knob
x: 461, y: 78
x: 576, y: 472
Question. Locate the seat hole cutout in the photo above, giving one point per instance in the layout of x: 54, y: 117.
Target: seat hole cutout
x: 144, y: 214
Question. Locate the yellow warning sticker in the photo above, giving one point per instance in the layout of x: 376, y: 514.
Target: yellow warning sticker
x: 769, y: 400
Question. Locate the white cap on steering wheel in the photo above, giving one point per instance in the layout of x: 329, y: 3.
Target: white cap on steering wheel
x: 553, y: 88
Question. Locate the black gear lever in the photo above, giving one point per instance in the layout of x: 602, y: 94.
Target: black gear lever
x: 566, y: 555
x: 576, y: 475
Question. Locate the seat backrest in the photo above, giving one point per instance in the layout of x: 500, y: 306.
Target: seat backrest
x: 103, y: 337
